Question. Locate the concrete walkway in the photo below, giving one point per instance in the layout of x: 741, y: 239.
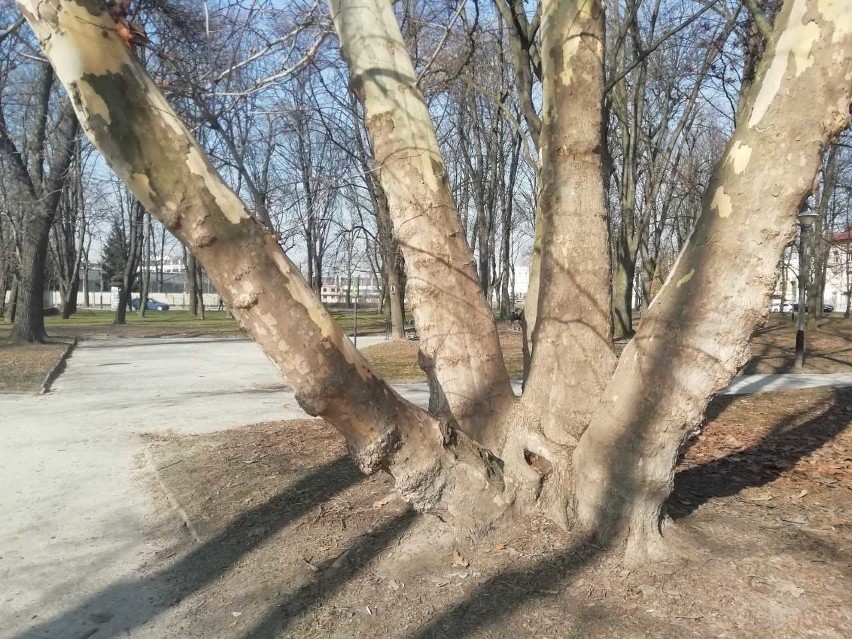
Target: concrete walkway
x: 77, y: 513
x: 748, y: 384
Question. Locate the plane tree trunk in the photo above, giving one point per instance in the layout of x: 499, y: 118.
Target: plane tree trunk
x: 459, y: 348
x: 695, y: 336
x: 591, y: 442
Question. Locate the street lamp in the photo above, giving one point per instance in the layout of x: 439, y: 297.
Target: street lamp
x: 806, y: 220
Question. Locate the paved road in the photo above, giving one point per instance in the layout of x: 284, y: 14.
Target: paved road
x: 77, y: 517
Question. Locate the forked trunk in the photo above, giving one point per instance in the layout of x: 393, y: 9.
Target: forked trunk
x: 152, y: 151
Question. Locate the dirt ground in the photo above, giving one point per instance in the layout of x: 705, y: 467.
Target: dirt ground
x: 828, y: 350
x: 23, y: 367
x: 296, y: 543
x: 397, y: 361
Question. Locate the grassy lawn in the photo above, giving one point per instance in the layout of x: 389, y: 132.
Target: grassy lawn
x: 369, y: 322
x: 90, y: 323
x: 23, y: 367
x: 397, y: 361
x: 827, y: 350
x: 178, y: 323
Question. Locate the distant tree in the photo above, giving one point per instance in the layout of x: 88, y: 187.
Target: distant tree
x: 114, y: 253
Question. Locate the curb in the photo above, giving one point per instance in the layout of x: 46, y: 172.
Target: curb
x: 175, y: 504
x: 57, y: 370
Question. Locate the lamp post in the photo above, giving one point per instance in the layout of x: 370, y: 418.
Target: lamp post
x: 806, y: 220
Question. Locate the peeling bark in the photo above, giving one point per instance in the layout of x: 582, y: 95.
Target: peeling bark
x: 695, y: 335
x: 572, y: 341
x: 457, y: 333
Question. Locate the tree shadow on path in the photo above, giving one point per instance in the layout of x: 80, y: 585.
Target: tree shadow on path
x: 118, y: 609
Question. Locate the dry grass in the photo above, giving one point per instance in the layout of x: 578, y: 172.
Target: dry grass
x: 299, y: 544
x: 828, y: 349
x: 23, y: 367
x: 397, y: 361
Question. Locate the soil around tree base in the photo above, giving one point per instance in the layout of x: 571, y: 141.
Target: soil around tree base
x: 297, y: 543
x: 24, y: 367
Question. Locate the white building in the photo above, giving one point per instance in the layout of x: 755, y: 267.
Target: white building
x: 168, y: 264
x: 838, y: 274
x: 365, y: 288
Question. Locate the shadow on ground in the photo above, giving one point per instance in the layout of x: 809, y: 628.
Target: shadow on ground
x: 485, y: 605
x: 205, y: 563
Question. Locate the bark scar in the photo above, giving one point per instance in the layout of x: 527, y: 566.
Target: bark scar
x: 247, y: 300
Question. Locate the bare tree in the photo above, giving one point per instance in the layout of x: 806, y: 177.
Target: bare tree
x: 39, y: 175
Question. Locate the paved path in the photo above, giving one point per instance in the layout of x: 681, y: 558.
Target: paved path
x: 77, y: 517
x: 748, y: 384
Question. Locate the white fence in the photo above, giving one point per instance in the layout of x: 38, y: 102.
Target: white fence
x: 101, y: 300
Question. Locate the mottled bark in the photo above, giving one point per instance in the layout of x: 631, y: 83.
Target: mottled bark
x: 695, y: 336
x: 573, y: 336
x: 458, y: 338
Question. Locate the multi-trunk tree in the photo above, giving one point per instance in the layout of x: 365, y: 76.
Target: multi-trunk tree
x: 593, y: 441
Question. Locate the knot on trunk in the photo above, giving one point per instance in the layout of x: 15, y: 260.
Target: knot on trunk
x: 314, y: 403
x: 246, y: 301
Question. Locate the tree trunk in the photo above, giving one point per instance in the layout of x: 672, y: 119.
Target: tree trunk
x: 573, y: 334
x: 29, y: 318
x: 4, y: 288
x: 69, y: 302
x: 506, y: 302
x: 134, y: 255
x: 145, y: 283
x: 695, y: 337
x: 622, y: 284
x: 199, y: 289
x: 13, y: 300
x: 394, y: 266
x: 458, y: 337
x: 820, y: 248
x: 191, y: 282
